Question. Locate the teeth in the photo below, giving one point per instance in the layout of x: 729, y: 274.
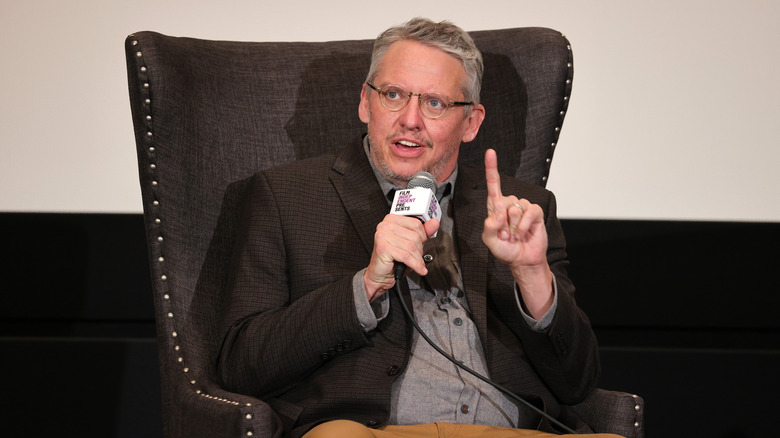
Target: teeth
x: 408, y: 143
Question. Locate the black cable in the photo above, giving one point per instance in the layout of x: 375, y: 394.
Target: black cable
x: 399, y: 270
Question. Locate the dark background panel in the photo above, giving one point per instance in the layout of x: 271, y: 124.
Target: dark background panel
x: 699, y: 392
x: 74, y: 269
x: 676, y: 274
x: 80, y: 387
x: 684, y: 312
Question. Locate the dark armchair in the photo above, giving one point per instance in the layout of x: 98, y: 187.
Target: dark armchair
x: 208, y: 114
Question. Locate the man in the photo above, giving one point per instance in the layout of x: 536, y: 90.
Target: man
x: 310, y: 326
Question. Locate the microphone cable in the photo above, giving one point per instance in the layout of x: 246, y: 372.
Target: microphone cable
x: 399, y: 275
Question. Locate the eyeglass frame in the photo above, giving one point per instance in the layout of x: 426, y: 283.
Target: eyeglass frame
x: 449, y: 103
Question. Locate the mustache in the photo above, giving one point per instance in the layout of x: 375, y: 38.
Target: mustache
x: 417, y: 139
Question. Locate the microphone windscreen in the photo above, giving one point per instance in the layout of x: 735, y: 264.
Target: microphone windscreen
x: 424, y: 180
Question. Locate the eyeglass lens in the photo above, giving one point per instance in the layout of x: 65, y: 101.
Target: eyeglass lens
x: 433, y: 105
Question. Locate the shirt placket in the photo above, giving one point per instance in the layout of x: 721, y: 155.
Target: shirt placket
x: 460, y: 325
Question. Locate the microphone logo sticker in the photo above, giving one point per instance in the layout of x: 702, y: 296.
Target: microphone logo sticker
x: 404, y: 197
x: 433, y: 207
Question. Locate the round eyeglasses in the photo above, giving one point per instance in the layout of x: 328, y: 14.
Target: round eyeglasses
x: 432, y: 105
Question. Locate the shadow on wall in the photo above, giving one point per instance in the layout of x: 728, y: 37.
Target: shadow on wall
x: 325, y: 118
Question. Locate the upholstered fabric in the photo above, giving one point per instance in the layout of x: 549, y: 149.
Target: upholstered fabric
x: 207, y: 114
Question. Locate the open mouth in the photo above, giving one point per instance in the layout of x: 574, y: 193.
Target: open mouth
x: 403, y: 144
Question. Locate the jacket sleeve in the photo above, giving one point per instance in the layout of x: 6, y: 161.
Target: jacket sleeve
x: 275, y: 336
x: 565, y: 355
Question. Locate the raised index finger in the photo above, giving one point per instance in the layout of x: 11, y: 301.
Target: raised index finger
x: 492, y: 176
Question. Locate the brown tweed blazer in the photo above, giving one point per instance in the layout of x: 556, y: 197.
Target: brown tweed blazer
x: 291, y: 335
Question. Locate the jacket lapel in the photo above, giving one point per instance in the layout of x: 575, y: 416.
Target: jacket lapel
x: 469, y: 212
x: 359, y: 191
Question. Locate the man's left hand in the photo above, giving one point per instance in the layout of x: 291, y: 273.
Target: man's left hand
x: 515, y: 233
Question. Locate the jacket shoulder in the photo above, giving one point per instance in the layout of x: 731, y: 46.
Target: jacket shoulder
x: 474, y: 176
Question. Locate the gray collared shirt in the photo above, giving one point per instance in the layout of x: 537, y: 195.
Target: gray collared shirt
x: 432, y: 388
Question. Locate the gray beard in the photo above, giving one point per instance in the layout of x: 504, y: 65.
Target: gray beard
x: 392, y: 176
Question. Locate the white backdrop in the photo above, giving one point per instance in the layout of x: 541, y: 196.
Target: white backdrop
x: 672, y: 115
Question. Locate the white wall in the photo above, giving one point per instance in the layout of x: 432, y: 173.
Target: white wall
x: 672, y: 116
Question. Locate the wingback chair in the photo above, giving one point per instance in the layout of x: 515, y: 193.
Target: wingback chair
x: 208, y: 114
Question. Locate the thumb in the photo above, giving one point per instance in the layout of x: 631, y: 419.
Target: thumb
x: 431, y: 227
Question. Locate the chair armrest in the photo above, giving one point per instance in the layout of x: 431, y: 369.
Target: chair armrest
x: 613, y: 412
x: 218, y: 413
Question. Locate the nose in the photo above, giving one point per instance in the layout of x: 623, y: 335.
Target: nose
x: 411, y: 116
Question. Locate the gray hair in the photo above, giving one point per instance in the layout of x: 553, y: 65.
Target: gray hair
x: 444, y: 36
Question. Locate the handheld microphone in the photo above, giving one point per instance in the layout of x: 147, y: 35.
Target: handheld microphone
x: 417, y: 200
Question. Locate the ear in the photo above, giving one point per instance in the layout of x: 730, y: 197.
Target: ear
x: 363, y: 110
x: 474, y: 121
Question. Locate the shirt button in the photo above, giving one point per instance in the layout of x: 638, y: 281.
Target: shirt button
x: 393, y: 370
x: 458, y: 322
x: 428, y: 258
x: 464, y: 409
